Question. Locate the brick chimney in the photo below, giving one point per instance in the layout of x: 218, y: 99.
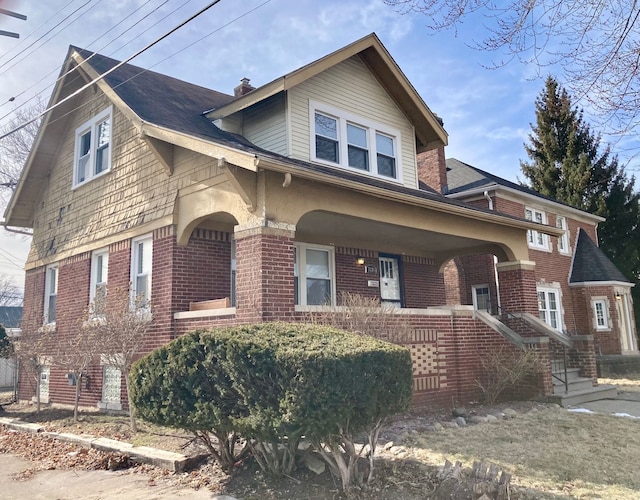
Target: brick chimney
x: 244, y: 88
x: 432, y: 169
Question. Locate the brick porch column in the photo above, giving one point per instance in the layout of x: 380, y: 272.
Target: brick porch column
x: 264, y: 274
x: 583, y: 356
x: 517, y: 282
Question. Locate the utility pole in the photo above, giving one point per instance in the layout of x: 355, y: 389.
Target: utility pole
x: 12, y: 14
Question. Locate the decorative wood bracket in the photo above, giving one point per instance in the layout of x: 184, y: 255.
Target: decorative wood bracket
x: 243, y: 181
x: 163, y: 151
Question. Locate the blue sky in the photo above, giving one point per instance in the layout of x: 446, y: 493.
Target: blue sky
x: 486, y: 112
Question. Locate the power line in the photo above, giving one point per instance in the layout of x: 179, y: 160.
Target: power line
x: 71, y: 70
x: 23, y: 52
x: 117, y: 66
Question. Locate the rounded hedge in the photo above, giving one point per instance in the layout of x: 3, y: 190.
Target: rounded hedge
x: 273, y: 380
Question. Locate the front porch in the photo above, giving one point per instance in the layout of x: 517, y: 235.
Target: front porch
x: 313, y: 244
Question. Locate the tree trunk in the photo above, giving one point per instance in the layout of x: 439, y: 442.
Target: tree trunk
x: 132, y: 416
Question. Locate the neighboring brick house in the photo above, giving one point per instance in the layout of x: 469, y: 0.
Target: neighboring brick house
x: 580, y: 291
x: 264, y: 205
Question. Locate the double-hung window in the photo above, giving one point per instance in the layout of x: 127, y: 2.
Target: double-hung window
x: 563, y: 241
x: 93, y: 148
x: 99, y: 273
x: 50, y: 294
x: 141, y: 262
x: 536, y: 239
x: 549, y: 307
x: 354, y: 142
x: 314, y: 275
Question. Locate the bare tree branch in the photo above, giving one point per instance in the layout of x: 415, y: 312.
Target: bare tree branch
x: 596, y: 43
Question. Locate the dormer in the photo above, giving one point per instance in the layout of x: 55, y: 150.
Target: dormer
x: 352, y: 110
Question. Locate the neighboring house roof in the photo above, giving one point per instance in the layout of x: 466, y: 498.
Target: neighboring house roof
x: 10, y: 316
x: 590, y: 264
x: 463, y: 178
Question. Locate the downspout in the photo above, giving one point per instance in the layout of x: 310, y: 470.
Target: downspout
x: 495, y: 259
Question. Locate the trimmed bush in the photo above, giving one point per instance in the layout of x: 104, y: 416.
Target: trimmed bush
x: 273, y: 383
x: 180, y: 385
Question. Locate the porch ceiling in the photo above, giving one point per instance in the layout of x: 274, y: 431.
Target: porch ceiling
x: 343, y: 230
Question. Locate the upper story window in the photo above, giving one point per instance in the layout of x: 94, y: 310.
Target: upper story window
x: 50, y: 294
x: 354, y: 142
x: 536, y: 239
x: 99, y: 273
x: 314, y: 275
x: 93, y: 148
x: 563, y: 241
x: 141, y: 263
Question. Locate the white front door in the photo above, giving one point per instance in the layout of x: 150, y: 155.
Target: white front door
x: 390, y: 280
x: 481, y: 298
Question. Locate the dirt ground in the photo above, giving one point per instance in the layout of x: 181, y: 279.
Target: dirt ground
x: 550, y: 452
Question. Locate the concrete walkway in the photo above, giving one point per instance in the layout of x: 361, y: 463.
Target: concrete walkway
x: 626, y: 404
x: 88, y: 485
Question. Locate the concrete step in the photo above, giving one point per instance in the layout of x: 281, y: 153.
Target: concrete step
x: 603, y: 391
x: 575, y: 385
x: 572, y: 374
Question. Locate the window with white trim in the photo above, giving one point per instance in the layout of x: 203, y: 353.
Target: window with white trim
x: 536, y: 239
x: 481, y: 296
x: 50, y: 294
x: 550, y: 307
x: 354, y: 142
x: 99, y: 273
x: 600, y: 314
x: 563, y: 241
x: 314, y: 275
x: 141, y: 263
x: 93, y: 148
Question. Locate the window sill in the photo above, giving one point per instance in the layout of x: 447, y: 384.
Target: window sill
x: 205, y: 313
x: 365, y: 173
x: 48, y: 328
x: 107, y: 406
x: 88, y: 181
x: 539, y: 249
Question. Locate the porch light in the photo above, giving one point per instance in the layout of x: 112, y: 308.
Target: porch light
x: 360, y: 260
x: 618, y: 296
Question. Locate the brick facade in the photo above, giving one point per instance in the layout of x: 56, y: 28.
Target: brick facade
x: 432, y: 169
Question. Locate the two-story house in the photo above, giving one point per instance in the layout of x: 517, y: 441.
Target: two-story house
x: 263, y: 205
x: 579, y: 289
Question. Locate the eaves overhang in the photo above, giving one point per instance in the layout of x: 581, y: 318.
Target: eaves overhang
x: 537, y: 200
x: 418, y: 199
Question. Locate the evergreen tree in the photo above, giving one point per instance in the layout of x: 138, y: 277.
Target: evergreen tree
x: 568, y: 164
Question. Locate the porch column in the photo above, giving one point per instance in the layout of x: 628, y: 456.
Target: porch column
x: 264, y: 273
x: 583, y: 356
x: 517, y: 282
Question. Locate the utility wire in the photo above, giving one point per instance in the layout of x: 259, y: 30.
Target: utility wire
x: 95, y: 52
x: 144, y: 70
x: 23, y: 40
x: 117, y: 66
x: 25, y: 54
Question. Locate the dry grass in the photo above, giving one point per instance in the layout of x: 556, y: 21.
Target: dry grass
x: 552, y: 454
x: 557, y: 453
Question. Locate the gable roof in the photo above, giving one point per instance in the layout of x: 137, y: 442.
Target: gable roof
x: 169, y: 110
x: 10, y: 316
x: 590, y: 264
x: 463, y: 179
x: 428, y: 128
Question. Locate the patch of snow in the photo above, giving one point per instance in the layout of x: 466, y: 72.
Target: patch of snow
x: 580, y: 410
